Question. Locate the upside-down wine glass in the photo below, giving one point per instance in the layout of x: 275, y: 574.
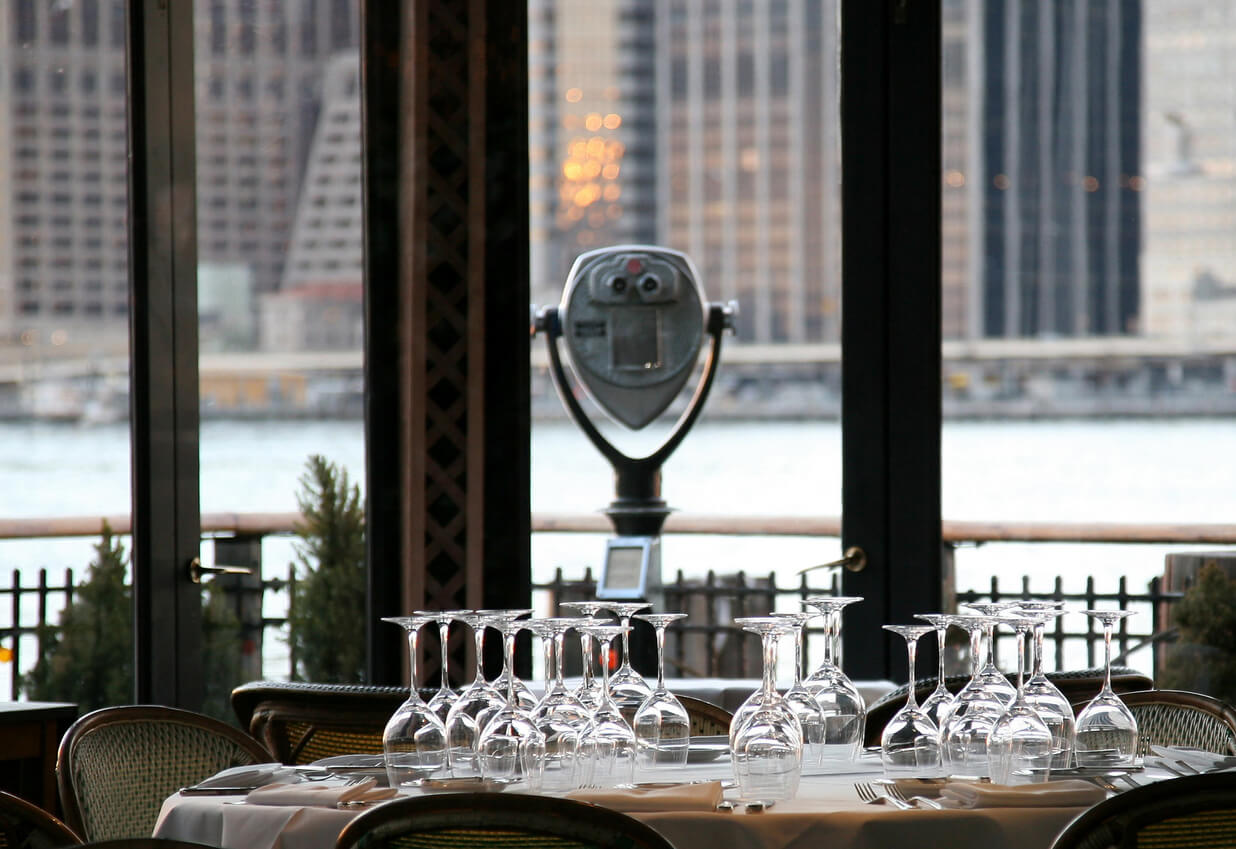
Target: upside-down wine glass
x: 626, y: 686
x: 801, y: 700
x: 589, y: 691
x: 559, y: 714
x: 938, y: 704
x: 1044, y: 696
x: 1106, y: 729
x: 1020, y: 747
x: 963, y: 738
x: 767, y: 745
x: 480, y: 696
x: 414, y: 740
x: 511, y: 747
x: 662, y: 724
x: 910, y: 742
x: 442, y: 701
x: 990, y: 676
x: 608, y: 746
x: 843, y: 706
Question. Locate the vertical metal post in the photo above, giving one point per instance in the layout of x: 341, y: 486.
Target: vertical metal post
x: 164, y: 351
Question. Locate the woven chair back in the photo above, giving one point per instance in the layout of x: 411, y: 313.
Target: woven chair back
x: 24, y: 825
x: 707, y: 719
x: 496, y: 821
x: 1181, y: 718
x: 117, y: 765
x: 1183, y: 813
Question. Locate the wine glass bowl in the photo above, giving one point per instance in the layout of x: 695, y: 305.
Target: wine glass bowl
x: 662, y: 725
x: 841, y: 703
x: 589, y: 691
x: 608, y: 746
x: 1045, y: 697
x: 910, y: 742
x: 940, y: 701
x: 479, y: 697
x: 627, y: 687
x: 1106, y: 734
x: 1021, y: 746
x: 963, y: 737
x: 511, y: 747
x: 414, y: 743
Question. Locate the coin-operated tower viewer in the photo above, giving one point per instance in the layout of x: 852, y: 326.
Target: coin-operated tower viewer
x: 633, y: 319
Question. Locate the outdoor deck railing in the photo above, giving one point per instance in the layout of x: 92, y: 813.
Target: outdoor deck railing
x: 710, y: 645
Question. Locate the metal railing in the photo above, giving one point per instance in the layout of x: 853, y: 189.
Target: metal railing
x: 709, y: 645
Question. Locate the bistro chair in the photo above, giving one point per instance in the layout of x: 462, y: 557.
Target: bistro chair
x: 707, y: 719
x: 24, y: 825
x: 1077, y: 685
x: 1181, y: 718
x: 146, y: 843
x: 117, y: 765
x: 1181, y: 813
x: 302, y: 722
x: 496, y: 821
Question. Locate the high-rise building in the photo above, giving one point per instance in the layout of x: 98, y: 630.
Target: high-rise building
x: 63, y: 169
x: 1055, y: 173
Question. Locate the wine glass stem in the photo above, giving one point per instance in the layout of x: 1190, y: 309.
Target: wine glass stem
x: 626, y: 644
x: 559, y: 643
x: 1107, y: 656
x: 412, y: 656
x: 770, y: 665
x: 1021, y: 662
x: 1038, y: 649
x: 478, y: 639
x: 660, y: 657
x: 547, y: 648
x: 911, y: 654
x: 941, y: 633
x: 989, y: 633
x: 976, y: 651
x: 605, y: 666
x: 585, y: 644
x: 508, y: 645
x: 444, y: 631
x: 798, y: 658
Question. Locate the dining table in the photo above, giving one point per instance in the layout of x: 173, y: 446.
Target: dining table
x: 680, y: 803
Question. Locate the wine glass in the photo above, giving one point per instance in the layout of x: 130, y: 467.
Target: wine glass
x: 800, y: 699
x: 480, y: 696
x: 559, y: 714
x: 767, y: 744
x: 414, y: 740
x: 662, y: 724
x: 938, y: 704
x: 963, y: 737
x: 442, y: 701
x: 995, y: 681
x: 1106, y: 730
x: 1044, y: 696
x: 589, y: 691
x: 523, y: 695
x: 511, y: 747
x: 910, y: 743
x: 626, y: 686
x: 609, y: 746
x: 1020, y: 744
x: 843, y: 706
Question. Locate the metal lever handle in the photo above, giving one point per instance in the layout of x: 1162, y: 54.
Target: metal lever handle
x: 855, y: 560
x: 196, y: 570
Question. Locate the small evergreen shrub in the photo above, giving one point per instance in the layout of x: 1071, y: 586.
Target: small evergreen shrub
x: 327, y: 615
x: 1204, y: 658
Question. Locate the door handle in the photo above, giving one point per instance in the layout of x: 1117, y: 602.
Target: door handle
x: 855, y: 559
x: 197, y: 570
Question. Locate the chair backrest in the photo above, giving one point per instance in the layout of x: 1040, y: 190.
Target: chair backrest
x: 302, y: 722
x: 496, y: 821
x: 24, y: 825
x: 117, y: 765
x: 1074, y: 684
x: 1183, y: 813
x: 707, y: 719
x: 146, y: 843
x: 1181, y: 718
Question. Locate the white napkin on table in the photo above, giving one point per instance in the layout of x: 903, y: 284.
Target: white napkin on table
x: 248, y: 776
x: 1201, y: 760
x: 1051, y: 794
x: 701, y: 796
x: 320, y: 794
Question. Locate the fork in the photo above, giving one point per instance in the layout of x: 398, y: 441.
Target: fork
x: 868, y: 794
x: 895, y: 792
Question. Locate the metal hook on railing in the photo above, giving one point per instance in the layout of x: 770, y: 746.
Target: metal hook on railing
x: 855, y: 560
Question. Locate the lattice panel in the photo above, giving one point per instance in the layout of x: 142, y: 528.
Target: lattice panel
x: 448, y: 194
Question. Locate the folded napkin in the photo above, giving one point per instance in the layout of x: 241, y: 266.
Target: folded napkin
x: 320, y: 794
x: 248, y: 776
x: 1167, y: 757
x: 701, y: 796
x: 1051, y: 794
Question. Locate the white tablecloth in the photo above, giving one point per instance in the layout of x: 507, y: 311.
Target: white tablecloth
x: 826, y: 812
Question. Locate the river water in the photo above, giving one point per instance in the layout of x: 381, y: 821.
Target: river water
x: 1177, y: 470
